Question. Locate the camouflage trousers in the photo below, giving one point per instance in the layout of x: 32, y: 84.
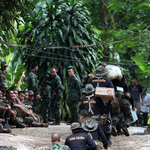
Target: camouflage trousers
x: 1, y: 128
x: 121, y: 106
x: 55, y: 106
x: 73, y: 103
x: 28, y: 120
x: 99, y: 145
x: 46, y: 108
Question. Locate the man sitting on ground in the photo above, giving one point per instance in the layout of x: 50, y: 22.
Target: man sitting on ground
x: 55, y: 139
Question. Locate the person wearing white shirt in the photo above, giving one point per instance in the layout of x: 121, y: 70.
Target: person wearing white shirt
x: 145, y: 101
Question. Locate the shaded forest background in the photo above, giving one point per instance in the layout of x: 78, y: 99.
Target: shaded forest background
x: 42, y: 24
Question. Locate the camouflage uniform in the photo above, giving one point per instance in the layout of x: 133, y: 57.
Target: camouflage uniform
x: 55, y: 102
x: 74, y: 93
x: 58, y: 146
x: 2, y: 78
x: 121, y: 104
x: 2, y: 74
x: 46, y: 97
x: 33, y: 85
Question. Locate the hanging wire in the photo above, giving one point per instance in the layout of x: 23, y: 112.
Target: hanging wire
x: 115, y: 63
x: 44, y: 56
x: 97, y: 54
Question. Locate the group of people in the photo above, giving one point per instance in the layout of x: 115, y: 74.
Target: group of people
x: 99, y: 119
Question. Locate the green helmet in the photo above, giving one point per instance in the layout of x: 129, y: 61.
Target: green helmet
x: 30, y: 92
x: 75, y: 125
x: 88, y: 88
x: 100, y: 71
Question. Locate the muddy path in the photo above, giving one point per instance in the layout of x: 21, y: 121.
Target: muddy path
x: 39, y: 138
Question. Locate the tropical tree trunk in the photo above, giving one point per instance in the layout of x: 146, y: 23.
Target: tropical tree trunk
x: 103, y: 14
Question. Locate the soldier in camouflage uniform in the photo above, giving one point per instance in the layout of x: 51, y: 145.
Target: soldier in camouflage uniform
x: 121, y: 106
x: 33, y: 83
x: 55, y: 139
x: 56, y: 95
x: 30, y: 98
x: 74, y: 94
x: 3, y: 88
x: 2, y: 74
x: 3, y: 110
x: 46, y: 97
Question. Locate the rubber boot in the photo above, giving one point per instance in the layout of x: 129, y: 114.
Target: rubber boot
x: 36, y: 124
x: 2, y: 130
x: 119, y: 132
x: 125, y: 130
x: 8, y: 130
x: 18, y: 124
x: 114, y: 131
x: 57, y: 121
x: 108, y: 138
x: 6, y: 123
x: 51, y: 120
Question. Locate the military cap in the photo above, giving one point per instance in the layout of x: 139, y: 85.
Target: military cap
x: 88, y: 88
x: 89, y: 124
x: 3, y: 63
x: 30, y: 92
x: 70, y: 67
x: 100, y: 71
x: 3, y: 85
x: 75, y: 125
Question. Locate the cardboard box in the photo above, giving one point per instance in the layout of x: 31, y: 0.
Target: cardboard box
x: 105, y: 94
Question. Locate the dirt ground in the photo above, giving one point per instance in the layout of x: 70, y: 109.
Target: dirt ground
x: 39, y: 138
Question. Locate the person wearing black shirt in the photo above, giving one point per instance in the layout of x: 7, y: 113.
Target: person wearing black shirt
x: 92, y: 128
x: 79, y: 140
x: 97, y: 109
x: 135, y: 91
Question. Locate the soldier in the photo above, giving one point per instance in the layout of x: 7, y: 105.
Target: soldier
x: 97, y: 109
x: 25, y: 114
x: 56, y: 95
x: 100, y: 73
x: 79, y: 140
x: 55, y: 139
x: 3, y: 88
x: 74, y: 94
x: 46, y: 97
x: 121, y: 106
x: 2, y: 74
x: 92, y: 128
x: 21, y: 96
x: 32, y: 82
x: 26, y: 95
x: 16, y: 93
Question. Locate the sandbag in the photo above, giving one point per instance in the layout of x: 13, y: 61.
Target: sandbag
x: 113, y: 72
